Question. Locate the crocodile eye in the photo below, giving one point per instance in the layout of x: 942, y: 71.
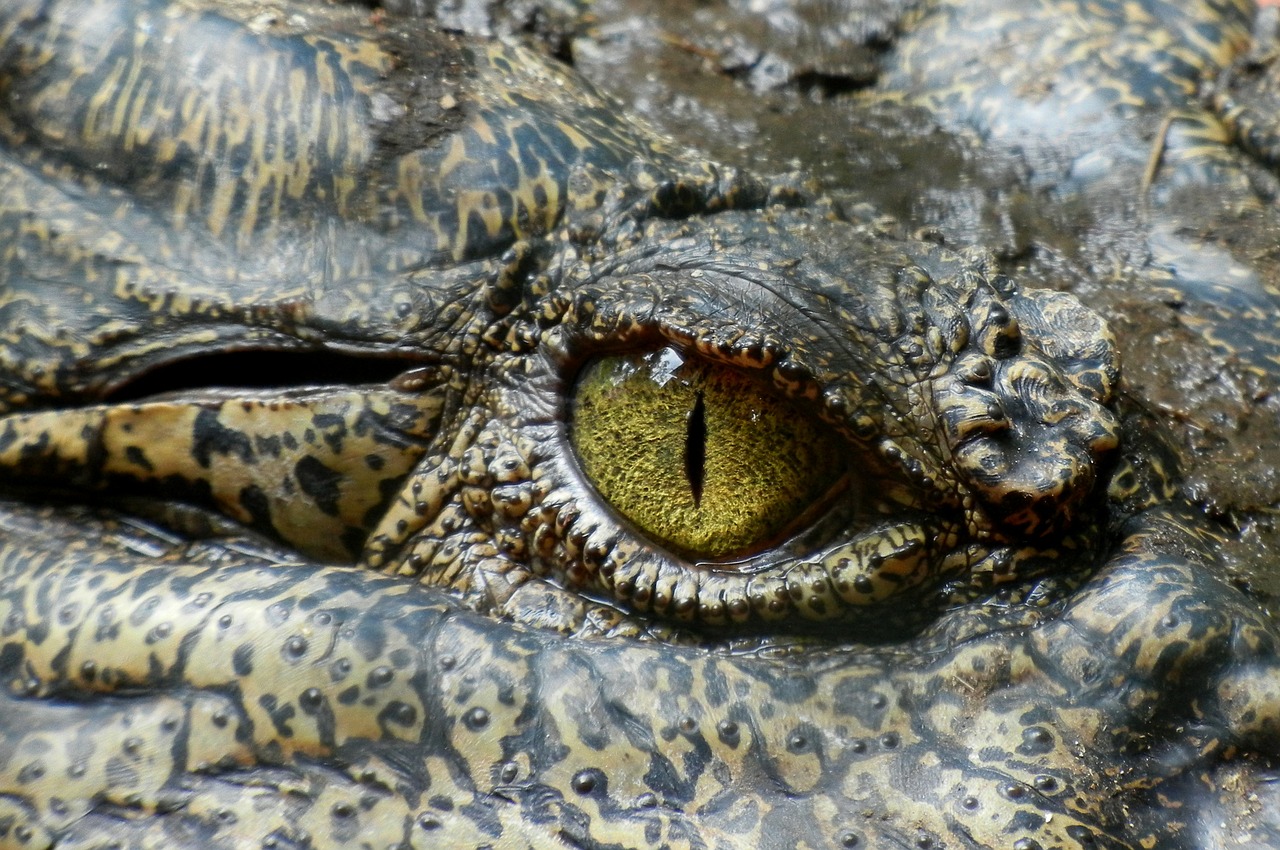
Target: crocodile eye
x: 709, y: 460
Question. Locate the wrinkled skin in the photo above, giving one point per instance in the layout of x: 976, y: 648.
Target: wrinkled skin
x: 1064, y: 666
x: 1144, y: 208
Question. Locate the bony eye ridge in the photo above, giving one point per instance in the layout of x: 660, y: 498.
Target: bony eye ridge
x: 709, y: 460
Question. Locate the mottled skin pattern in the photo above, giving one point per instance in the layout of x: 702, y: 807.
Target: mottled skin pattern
x: 1246, y: 94
x: 1157, y: 89
x: 1005, y: 631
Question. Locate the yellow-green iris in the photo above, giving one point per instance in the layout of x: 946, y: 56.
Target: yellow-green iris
x: 709, y: 460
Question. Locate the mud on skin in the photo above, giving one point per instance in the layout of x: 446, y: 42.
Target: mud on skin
x: 1149, y: 195
x: 375, y: 594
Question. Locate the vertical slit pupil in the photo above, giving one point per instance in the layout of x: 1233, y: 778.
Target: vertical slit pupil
x: 695, y: 449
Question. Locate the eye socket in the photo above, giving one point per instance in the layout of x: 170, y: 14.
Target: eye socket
x: 711, y: 461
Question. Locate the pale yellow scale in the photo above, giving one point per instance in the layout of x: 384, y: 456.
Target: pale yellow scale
x: 311, y: 465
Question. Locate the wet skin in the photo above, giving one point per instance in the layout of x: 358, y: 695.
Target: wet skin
x: 1004, y: 627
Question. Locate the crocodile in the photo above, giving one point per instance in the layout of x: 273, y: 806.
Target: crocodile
x: 404, y: 448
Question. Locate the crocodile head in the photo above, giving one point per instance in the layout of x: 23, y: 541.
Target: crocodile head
x: 694, y: 513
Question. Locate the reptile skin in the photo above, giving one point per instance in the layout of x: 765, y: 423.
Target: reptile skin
x: 387, y: 607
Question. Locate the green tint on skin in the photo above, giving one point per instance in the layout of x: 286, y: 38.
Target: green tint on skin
x: 764, y: 462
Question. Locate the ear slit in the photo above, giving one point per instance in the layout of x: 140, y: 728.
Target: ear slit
x: 260, y: 369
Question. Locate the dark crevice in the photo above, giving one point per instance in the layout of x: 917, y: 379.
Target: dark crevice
x: 695, y: 449
x: 830, y: 85
x: 261, y: 370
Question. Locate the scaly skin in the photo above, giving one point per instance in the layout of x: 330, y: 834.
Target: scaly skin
x: 279, y: 699
x: 1009, y: 632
